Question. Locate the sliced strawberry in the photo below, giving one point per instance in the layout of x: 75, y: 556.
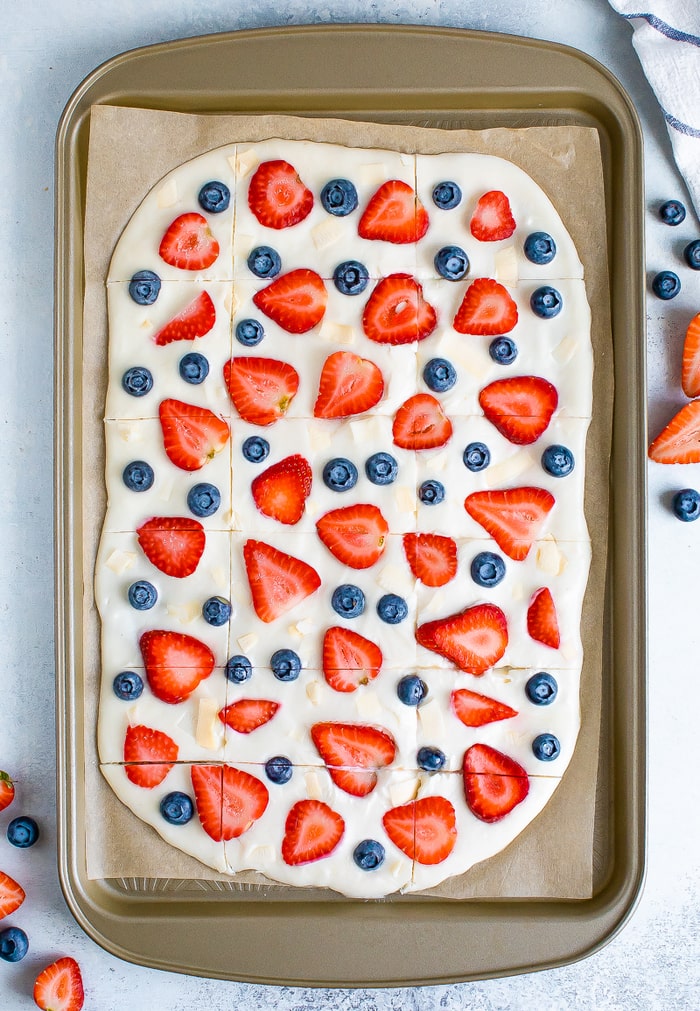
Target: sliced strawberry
x: 476, y: 710
x: 261, y: 389
x: 349, y: 660
x: 513, y: 517
x: 397, y: 313
x: 174, y: 544
x: 244, y: 800
x: 353, y: 753
x: 420, y: 423
x: 355, y: 535
x: 474, y: 639
x: 492, y: 218
x: 520, y: 407
x: 175, y: 664
x: 277, y: 581
x: 493, y: 783
x: 59, y: 987
x: 312, y: 831
x: 207, y: 783
x: 277, y: 196
x: 431, y: 557
x: 394, y: 214
x: 295, y: 301
x: 195, y: 320
x: 542, y: 623
x: 690, y: 375
x: 679, y: 442
x: 7, y: 790
x: 247, y: 715
x: 189, y: 244
x: 348, y: 385
x: 425, y: 830
x: 150, y: 755
x: 281, y: 491
x: 486, y: 308
x: 192, y: 436
x: 12, y: 895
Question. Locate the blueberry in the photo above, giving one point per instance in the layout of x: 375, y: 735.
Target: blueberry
x: 279, y: 769
x: 128, y: 685
x: 137, y: 381
x: 177, y: 808
x: 214, y: 197
x: 340, y: 474
x: 368, y: 855
x: 411, y: 690
x: 503, y: 350
x: 672, y: 212
x: 452, y: 263
x: 666, y: 285
x: 439, y: 375
x: 14, y: 944
x: 144, y: 287
x: 487, y: 569
x: 392, y: 609
x: 476, y: 457
x: 691, y: 254
x: 431, y: 493
x: 381, y: 469
x: 540, y: 248
x: 546, y: 302
x: 193, y: 368
x: 138, y: 475
x: 339, y: 197
x: 541, y: 689
x: 558, y: 461
x: 348, y: 600
x: 546, y: 747
x: 142, y: 595
x: 255, y: 449
x: 22, y: 832
x: 249, y: 332
x: 285, y: 665
x: 239, y: 669
x: 686, y: 505
x: 263, y: 261
x: 216, y: 611
x: 446, y: 195
x: 351, y: 277
x: 203, y: 499
x: 431, y: 759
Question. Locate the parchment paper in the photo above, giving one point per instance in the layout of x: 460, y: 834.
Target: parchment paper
x: 129, y: 151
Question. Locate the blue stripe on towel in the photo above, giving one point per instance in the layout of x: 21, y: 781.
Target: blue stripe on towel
x: 664, y: 29
x: 677, y: 124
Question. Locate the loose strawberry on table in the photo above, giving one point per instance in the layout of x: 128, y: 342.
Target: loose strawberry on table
x: 7, y: 790
x: 59, y: 987
x: 12, y: 895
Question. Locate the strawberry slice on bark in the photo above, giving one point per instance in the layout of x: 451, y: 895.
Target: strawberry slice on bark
x: 312, y: 831
x: 492, y: 219
x: 7, y: 790
x: 188, y: 243
x: 174, y: 544
x: 679, y: 442
x: 12, y: 895
x: 432, y: 558
x: 397, y: 313
x: 295, y: 301
x: 425, y: 830
x: 349, y: 659
x: 150, y: 755
x: 486, y: 308
x: 59, y: 987
x: 513, y: 517
x: 247, y: 715
x: 192, y: 436
x: 355, y: 535
x: 195, y: 320
x: 394, y: 214
x: 474, y: 639
x: 542, y: 623
x: 520, y: 407
x: 475, y: 710
x: 276, y: 195
x: 281, y: 491
x: 261, y: 389
x: 493, y: 783
x: 420, y: 423
x: 175, y: 664
x: 278, y: 581
x: 228, y: 800
x: 353, y: 753
x: 690, y: 373
x: 348, y: 385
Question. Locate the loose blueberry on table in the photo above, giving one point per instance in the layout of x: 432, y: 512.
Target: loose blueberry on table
x: 666, y: 285
x: 686, y: 505
x: 691, y: 254
x: 22, y: 832
x: 14, y: 944
x: 672, y: 212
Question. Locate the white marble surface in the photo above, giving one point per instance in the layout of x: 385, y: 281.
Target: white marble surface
x: 46, y: 48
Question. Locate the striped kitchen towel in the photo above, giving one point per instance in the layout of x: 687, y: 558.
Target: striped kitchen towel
x: 667, y: 41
